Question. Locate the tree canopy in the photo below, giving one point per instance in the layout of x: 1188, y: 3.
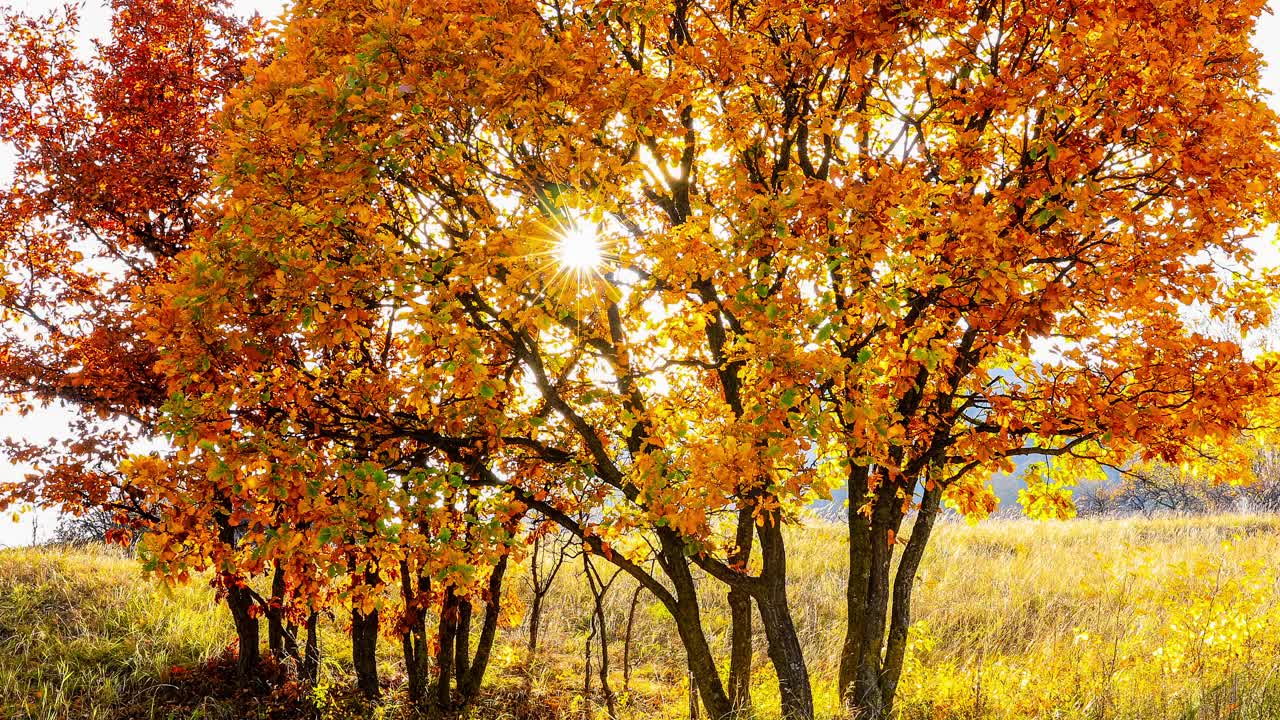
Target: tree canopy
x: 663, y: 273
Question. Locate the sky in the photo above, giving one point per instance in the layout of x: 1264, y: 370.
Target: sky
x: 95, y: 17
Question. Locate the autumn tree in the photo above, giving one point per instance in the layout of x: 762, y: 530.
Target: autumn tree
x: 112, y: 163
x: 665, y: 272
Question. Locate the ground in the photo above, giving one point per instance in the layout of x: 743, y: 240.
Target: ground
x: 1091, y: 619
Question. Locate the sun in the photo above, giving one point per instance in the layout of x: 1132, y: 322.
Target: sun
x: 579, y: 249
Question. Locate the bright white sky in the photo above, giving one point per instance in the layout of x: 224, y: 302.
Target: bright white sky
x: 95, y: 19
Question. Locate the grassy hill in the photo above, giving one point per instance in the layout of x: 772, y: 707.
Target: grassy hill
x: 1088, y: 620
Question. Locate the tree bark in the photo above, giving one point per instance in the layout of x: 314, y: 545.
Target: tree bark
x: 903, y: 583
x: 413, y: 638
x: 311, y: 655
x: 447, y: 632
x: 364, y: 651
x: 275, y: 615
x: 879, y: 596
x: 474, y: 679
x: 740, y: 620
x: 609, y: 701
x: 886, y: 515
x: 857, y: 582
x: 240, y: 601
x: 688, y: 619
x: 785, y: 653
x: 462, y: 643
x: 535, y: 618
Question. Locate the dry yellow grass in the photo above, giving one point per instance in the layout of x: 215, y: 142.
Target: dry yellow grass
x: 1091, y: 619
x: 1014, y: 619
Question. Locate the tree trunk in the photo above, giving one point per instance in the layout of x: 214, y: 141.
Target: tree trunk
x: 474, y: 677
x: 740, y: 620
x: 607, y: 691
x: 447, y: 632
x: 867, y: 697
x: 275, y: 615
x: 701, y: 662
x: 903, y: 583
x: 462, y: 643
x: 858, y: 580
x: 364, y: 651
x: 535, y: 617
x: 879, y: 658
x: 688, y: 619
x: 413, y: 640
x: 240, y: 601
x: 311, y: 655
x: 785, y: 653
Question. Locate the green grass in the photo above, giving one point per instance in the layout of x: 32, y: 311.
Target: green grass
x: 81, y: 635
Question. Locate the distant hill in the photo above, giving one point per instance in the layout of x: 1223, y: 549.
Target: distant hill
x: 1006, y: 486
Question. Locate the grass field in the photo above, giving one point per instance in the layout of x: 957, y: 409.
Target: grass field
x: 1091, y: 619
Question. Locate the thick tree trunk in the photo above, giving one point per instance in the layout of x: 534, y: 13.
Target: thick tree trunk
x: 240, y: 602
x: 462, y: 643
x: 413, y: 640
x: 903, y: 583
x: 447, y: 632
x: 474, y: 679
x: 701, y: 662
x: 879, y: 596
x: 364, y: 651
x: 785, y: 653
x: 275, y: 616
x: 867, y: 696
x: 311, y: 655
x: 858, y: 581
x: 688, y: 619
x: 740, y: 620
